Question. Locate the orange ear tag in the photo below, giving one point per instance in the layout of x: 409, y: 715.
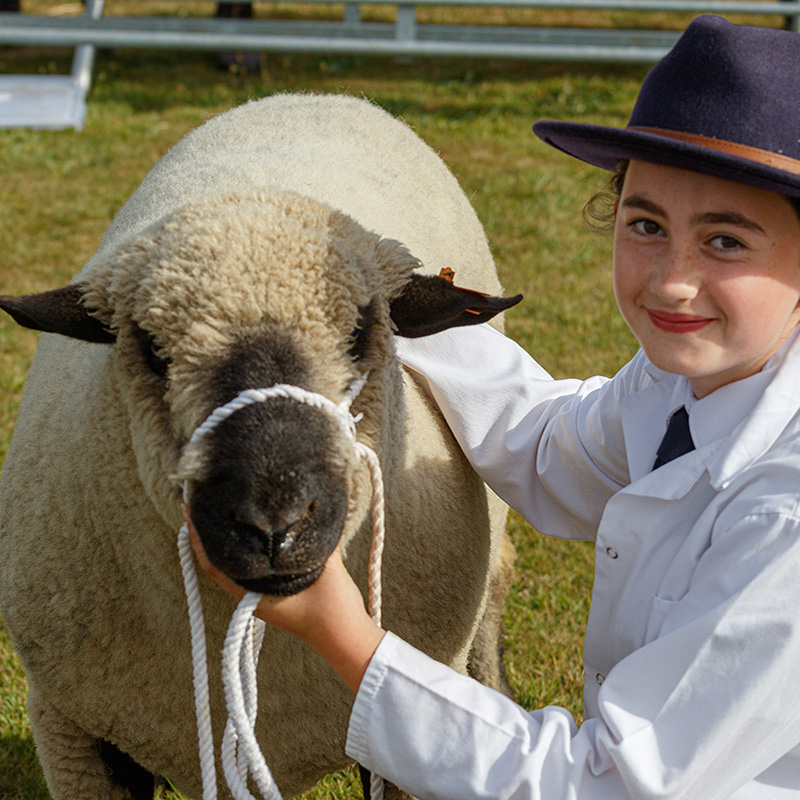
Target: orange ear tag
x: 448, y: 274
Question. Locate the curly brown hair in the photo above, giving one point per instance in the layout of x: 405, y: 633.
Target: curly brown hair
x: 599, y: 212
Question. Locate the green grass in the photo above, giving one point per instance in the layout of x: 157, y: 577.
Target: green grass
x: 59, y: 190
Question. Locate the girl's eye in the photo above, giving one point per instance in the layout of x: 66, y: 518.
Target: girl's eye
x: 646, y: 227
x: 724, y: 242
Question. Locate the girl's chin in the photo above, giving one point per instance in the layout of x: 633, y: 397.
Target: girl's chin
x: 671, y: 360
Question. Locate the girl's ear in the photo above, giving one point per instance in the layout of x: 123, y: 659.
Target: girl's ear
x: 58, y: 311
x: 429, y: 304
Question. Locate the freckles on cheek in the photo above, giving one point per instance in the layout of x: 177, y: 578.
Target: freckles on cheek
x: 759, y: 309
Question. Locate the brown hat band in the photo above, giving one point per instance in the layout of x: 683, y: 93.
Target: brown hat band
x: 756, y: 154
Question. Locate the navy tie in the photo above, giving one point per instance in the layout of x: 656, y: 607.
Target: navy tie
x: 677, y: 440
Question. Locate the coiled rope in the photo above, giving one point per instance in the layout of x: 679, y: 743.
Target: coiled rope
x: 240, y: 754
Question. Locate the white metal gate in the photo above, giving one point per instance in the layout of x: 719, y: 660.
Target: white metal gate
x: 59, y: 101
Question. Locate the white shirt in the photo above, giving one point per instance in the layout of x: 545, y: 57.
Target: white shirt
x: 692, y: 652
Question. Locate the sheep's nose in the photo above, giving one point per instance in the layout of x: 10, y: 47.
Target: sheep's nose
x: 272, y: 537
x: 274, y: 543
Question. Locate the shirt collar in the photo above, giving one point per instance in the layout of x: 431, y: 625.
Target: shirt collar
x: 731, y: 427
x: 717, y: 415
x: 773, y: 410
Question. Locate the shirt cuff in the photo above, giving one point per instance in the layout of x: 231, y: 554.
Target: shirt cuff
x: 357, y: 746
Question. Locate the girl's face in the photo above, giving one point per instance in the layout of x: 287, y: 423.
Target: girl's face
x: 706, y: 272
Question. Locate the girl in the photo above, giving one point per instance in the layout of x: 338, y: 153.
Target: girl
x: 692, y: 653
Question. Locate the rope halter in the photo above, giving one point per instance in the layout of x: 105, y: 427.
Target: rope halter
x: 240, y: 754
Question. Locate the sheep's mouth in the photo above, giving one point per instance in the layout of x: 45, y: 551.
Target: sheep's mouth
x: 282, y: 585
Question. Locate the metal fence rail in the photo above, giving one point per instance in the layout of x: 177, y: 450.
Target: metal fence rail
x: 405, y: 37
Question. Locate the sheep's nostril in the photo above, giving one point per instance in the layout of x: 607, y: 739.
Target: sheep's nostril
x: 272, y: 537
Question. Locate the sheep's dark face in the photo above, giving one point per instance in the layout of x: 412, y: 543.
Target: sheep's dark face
x: 245, y: 293
x: 272, y: 501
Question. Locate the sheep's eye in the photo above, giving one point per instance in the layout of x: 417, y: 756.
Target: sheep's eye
x: 157, y: 364
x: 358, y: 341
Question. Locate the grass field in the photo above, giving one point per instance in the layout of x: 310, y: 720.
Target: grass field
x: 59, y: 190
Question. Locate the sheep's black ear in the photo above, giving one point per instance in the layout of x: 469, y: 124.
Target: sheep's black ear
x: 429, y: 304
x: 58, y: 311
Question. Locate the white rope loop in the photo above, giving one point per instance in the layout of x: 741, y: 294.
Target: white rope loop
x: 240, y: 754
x: 374, y: 598
x: 199, y: 666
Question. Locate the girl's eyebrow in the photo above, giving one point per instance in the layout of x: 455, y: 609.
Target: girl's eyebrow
x: 708, y: 217
x: 637, y: 201
x: 728, y: 218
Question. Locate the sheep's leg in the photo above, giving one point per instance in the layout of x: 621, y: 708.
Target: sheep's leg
x: 73, y: 764
x: 126, y: 772
x: 390, y: 791
x: 366, y: 779
x: 485, y: 662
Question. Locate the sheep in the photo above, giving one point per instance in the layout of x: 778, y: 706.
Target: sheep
x: 264, y: 248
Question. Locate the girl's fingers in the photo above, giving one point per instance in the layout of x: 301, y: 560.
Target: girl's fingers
x: 223, y: 580
x: 295, y: 613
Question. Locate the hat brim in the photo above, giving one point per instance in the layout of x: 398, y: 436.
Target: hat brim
x: 605, y: 147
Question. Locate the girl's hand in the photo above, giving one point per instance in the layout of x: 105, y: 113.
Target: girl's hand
x: 329, y: 615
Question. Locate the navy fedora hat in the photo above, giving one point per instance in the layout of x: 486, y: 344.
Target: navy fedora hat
x: 725, y: 101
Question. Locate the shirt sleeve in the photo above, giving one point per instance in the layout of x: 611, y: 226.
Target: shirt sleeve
x: 553, y: 450
x: 443, y: 736
x: 708, y: 707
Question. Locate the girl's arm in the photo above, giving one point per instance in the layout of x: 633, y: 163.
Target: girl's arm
x: 708, y: 709
x: 553, y: 450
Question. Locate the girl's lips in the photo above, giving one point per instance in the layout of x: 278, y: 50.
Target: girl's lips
x: 677, y: 323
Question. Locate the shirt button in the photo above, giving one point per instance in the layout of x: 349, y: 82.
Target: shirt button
x: 611, y: 552
x: 599, y: 678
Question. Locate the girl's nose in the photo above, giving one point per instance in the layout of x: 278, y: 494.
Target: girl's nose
x: 675, y: 275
